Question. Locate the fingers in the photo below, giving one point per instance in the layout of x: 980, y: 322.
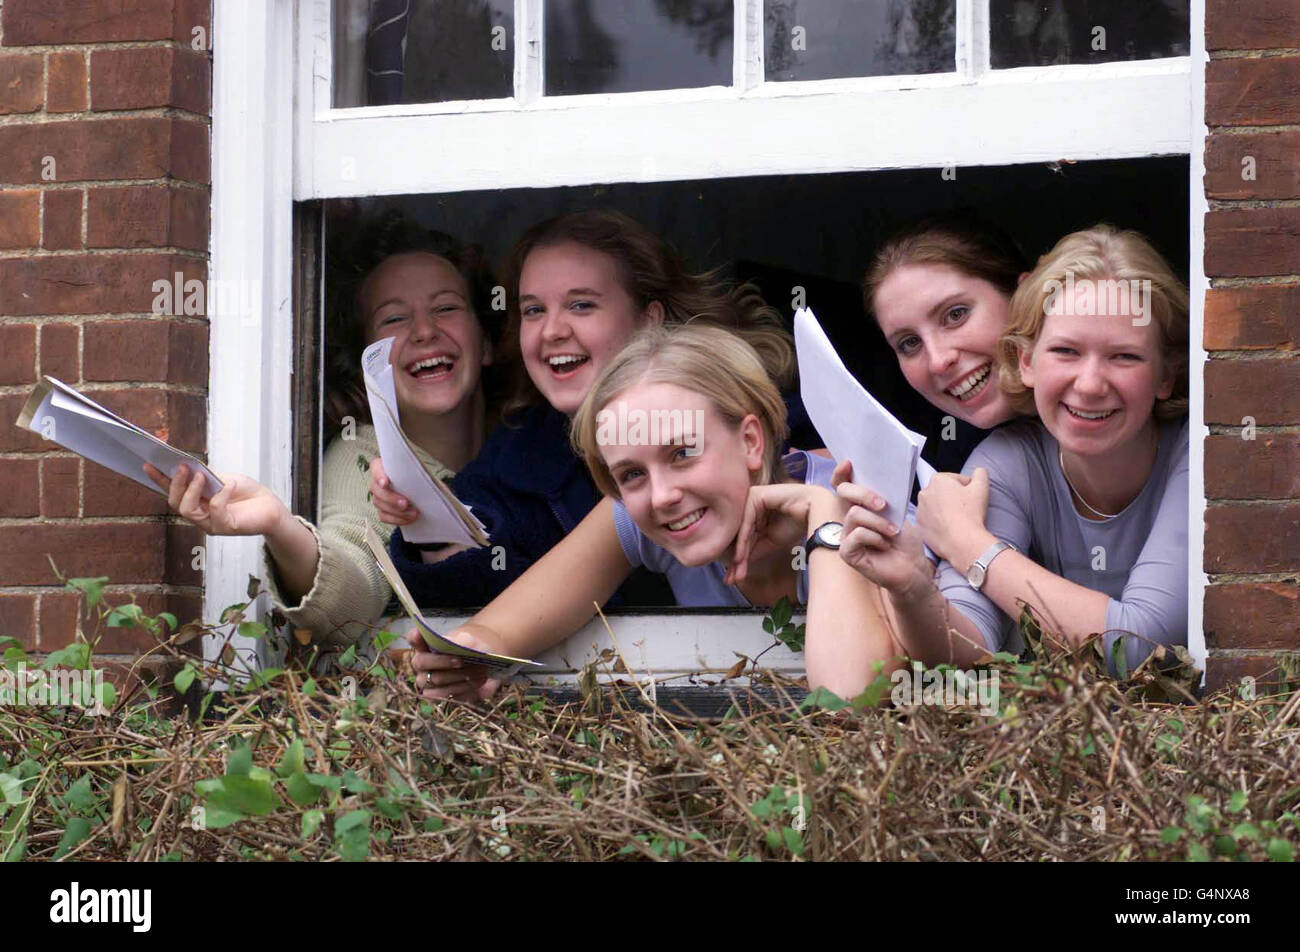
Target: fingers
x: 749, y: 526
x: 189, y: 504
x: 859, y: 495
x: 394, y: 508
x: 176, y: 488
x: 857, y: 518
x: 843, y: 473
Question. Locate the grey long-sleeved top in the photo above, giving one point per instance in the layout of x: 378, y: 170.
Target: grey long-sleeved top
x: 1138, y: 558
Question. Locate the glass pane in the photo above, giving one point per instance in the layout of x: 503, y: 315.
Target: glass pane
x: 1046, y: 32
x: 410, y: 51
x: 619, y: 46
x: 825, y: 39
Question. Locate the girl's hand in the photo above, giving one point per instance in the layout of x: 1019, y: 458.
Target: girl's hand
x: 879, y: 550
x: 243, y: 506
x: 779, y: 516
x: 394, y: 508
x: 952, y: 510
x: 440, y: 676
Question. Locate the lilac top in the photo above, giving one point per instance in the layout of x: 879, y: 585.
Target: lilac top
x: 702, y: 586
x: 1138, y: 557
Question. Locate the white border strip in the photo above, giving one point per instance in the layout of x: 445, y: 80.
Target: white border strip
x: 1198, y: 284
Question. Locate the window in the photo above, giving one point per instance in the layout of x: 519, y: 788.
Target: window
x: 478, y: 100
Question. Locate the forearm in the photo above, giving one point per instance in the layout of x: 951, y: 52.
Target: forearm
x: 295, y: 553
x: 932, y: 630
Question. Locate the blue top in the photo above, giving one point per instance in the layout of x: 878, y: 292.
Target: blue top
x: 702, y: 586
x: 1138, y: 557
x: 529, y: 490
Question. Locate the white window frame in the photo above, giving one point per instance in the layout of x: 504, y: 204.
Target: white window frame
x: 277, y: 139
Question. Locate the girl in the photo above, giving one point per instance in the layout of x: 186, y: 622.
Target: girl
x: 431, y: 295
x: 1081, y: 514
x: 582, y: 284
x: 682, y: 431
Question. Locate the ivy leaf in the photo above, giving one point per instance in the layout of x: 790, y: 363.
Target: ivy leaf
x: 251, y: 629
x: 1280, y: 851
x: 823, y: 699
x: 184, y: 678
x: 78, y: 829
x: 239, y: 794
x: 240, y: 762
x: 311, y: 821
x: 92, y: 588
x: 294, y: 759
x: 1237, y: 802
x: 301, y: 791
x: 125, y: 616
x: 81, y: 797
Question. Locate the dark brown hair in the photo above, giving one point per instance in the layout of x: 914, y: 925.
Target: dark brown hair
x: 354, y: 258
x: 959, y: 239
x: 650, y: 270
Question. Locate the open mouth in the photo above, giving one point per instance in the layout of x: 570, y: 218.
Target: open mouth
x: 685, y: 522
x: 431, y: 368
x: 972, y: 385
x: 566, y: 365
x: 1092, y: 416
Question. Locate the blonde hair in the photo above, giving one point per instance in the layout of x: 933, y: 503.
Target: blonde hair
x: 708, y: 360
x: 1098, y: 253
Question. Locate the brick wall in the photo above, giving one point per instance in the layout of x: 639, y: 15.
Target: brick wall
x: 1252, y: 331
x: 104, y: 189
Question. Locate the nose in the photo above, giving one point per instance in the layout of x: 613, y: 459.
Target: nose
x: 423, y: 327
x: 942, y: 357
x: 664, y: 492
x: 1091, y: 380
x: 555, y: 325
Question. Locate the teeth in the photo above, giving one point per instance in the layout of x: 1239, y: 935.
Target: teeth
x: 431, y: 362
x: 685, y: 521
x: 1085, y: 415
x: 970, y: 383
x: 564, y: 360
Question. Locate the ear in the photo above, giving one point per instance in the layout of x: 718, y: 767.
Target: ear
x: 1165, y: 390
x: 1026, y: 366
x: 1021, y: 280
x: 654, y: 314
x: 754, y: 442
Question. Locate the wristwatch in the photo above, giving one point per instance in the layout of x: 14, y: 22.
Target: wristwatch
x: 825, y: 536
x: 980, y: 567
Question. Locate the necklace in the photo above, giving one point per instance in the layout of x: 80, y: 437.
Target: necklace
x: 1060, y: 456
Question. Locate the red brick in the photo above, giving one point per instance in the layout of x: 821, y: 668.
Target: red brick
x: 110, y: 494
x: 1252, y: 92
x: 1267, y: 467
x: 33, y: 22
x: 1267, y: 390
x: 1252, y: 537
x: 176, y: 418
x: 125, y: 552
x: 12, y: 437
x: 63, y: 613
x: 22, y: 487
x: 184, y: 607
x: 1252, y: 242
x: 61, y: 351
x: 182, y: 540
x: 61, y: 486
x: 20, y: 219
x: 150, y: 76
x: 90, y: 284
x: 149, y: 350
x: 1277, y: 174
x: 18, y: 618
x: 1266, y: 316
x: 22, y: 76
x: 148, y: 216
x: 62, y: 617
x: 62, y: 230
x: 1251, y: 24
x: 1253, y: 615
x: 103, y: 149
x: 1226, y: 672
x: 65, y: 86
x: 17, y: 354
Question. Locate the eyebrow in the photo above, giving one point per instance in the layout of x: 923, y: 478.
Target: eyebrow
x: 588, y: 292
x: 383, y: 304
x: 945, y: 302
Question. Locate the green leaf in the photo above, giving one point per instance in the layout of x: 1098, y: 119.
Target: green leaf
x: 1225, y: 845
x: 168, y: 619
x: 311, y: 821
x: 326, y: 782
x: 107, y: 695
x: 1197, y: 853
x: 1119, y: 656
x: 301, y: 791
x: 251, y: 629
x: 383, y: 639
x: 78, y: 829
x: 81, y: 797
x: 294, y: 759
x: 240, y: 794
x: 352, y: 820
x: 92, y: 588
x: 352, y: 835
x: 432, y: 824
x: 14, y: 656
x: 389, y: 808
x: 349, y: 657
x: 874, y: 693
x: 1280, y: 851
x: 184, y: 678
x: 240, y: 761
x: 1248, y: 830
x: 1237, y: 802
x: 309, y: 687
x: 11, y: 788
x: 823, y: 699
x: 355, y: 784
x: 264, y: 676
x: 1171, y: 834
x: 793, y: 840
x: 768, y: 626
x: 125, y: 616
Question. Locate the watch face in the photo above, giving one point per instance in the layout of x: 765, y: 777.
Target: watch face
x: 976, y: 575
x: 829, y: 535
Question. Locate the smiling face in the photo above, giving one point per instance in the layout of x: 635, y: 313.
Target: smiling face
x: 690, y: 502
x: 1096, y: 377
x: 575, y: 315
x: 422, y: 302
x: 944, y: 326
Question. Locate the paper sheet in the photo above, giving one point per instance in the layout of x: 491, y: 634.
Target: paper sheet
x: 435, y: 641
x: 63, y: 415
x: 886, y: 455
x: 442, y: 517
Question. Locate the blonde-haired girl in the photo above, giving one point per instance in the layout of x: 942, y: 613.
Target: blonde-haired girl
x: 1082, y: 513
x: 682, y: 431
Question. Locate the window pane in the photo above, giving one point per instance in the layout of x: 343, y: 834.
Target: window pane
x: 1046, y: 32
x: 409, y: 51
x: 825, y: 39
x: 619, y: 46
